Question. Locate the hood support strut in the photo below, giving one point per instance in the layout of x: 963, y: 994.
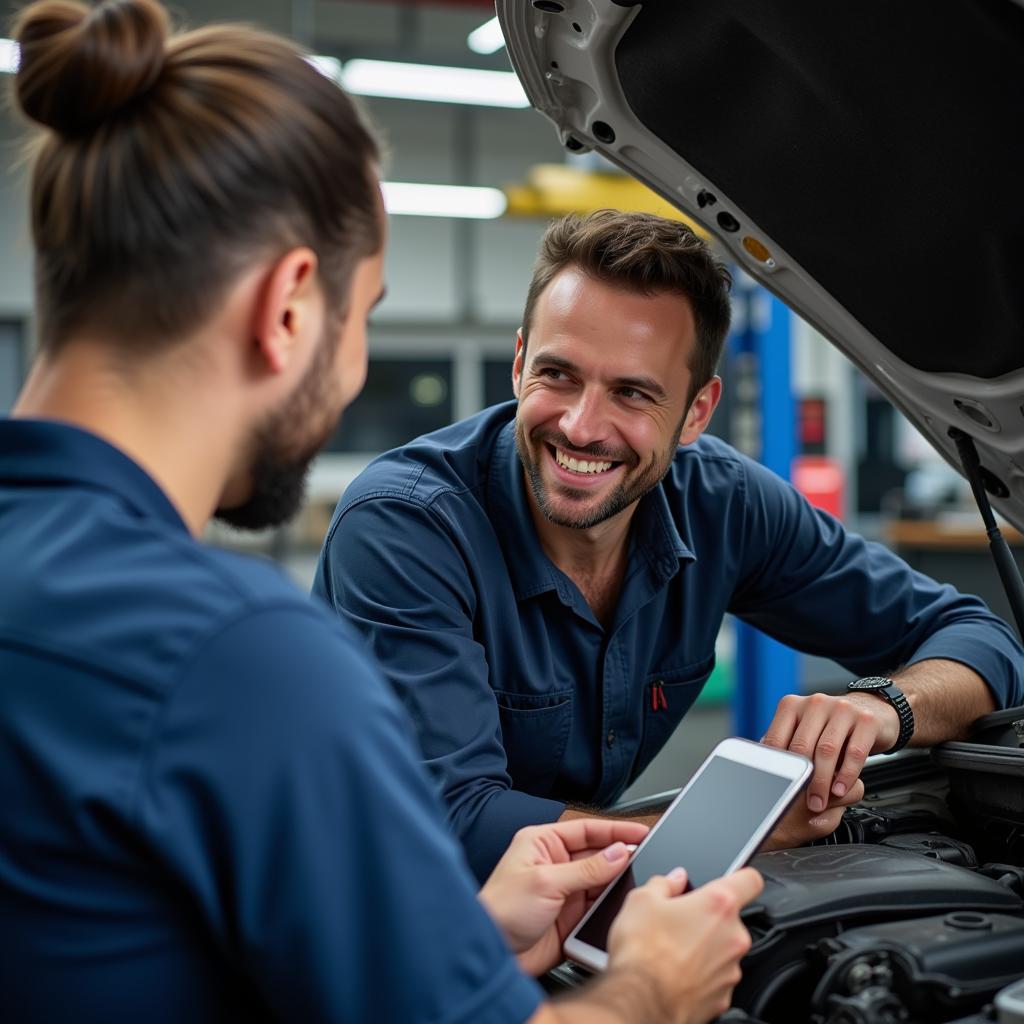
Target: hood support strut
x: 1009, y: 574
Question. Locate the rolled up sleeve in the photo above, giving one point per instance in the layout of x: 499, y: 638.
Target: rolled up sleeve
x: 808, y: 582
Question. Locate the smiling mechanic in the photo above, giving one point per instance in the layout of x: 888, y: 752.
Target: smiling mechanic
x: 544, y: 581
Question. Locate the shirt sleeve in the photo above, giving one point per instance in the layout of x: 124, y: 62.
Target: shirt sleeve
x: 282, y: 793
x: 391, y: 569
x: 809, y: 583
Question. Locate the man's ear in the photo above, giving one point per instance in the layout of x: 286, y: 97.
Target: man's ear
x: 517, y: 362
x: 289, y: 305
x: 698, y: 416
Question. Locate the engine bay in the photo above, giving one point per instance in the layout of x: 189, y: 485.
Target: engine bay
x: 912, y: 912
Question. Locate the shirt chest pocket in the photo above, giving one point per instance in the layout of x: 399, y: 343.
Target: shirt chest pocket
x: 534, y: 731
x: 667, y: 696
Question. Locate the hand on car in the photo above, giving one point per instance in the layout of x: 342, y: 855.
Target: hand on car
x: 800, y: 825
x: 837, y: 734
x: 689, y: 946
x: 547, y: 879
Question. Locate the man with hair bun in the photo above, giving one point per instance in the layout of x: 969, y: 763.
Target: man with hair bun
x: 212, y: 809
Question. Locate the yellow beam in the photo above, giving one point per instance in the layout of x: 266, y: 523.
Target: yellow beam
x: 553, y: 190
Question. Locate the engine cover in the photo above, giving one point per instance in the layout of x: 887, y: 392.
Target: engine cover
x: 812, y: 894
x: 927, y: 970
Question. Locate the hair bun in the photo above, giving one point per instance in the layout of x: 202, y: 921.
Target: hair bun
x: 80, y: 65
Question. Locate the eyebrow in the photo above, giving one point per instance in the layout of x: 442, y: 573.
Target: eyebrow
x: 640, y: 383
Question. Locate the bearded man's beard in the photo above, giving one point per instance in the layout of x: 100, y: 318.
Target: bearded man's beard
x: 285, y: 444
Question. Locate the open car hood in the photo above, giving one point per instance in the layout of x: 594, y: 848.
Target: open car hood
x: 865, y: 162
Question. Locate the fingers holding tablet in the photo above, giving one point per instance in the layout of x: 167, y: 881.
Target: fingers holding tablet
x: 690, y: 944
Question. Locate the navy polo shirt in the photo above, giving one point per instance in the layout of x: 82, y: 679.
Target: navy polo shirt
x: 211, y: 805
x: 521, y: 699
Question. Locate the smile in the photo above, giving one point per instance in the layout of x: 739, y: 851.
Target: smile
x: 581, y: 466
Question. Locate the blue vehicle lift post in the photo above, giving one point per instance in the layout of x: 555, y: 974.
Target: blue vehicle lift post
x: 765, y: 669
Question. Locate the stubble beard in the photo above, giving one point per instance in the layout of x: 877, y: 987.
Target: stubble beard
x: 623, y: 495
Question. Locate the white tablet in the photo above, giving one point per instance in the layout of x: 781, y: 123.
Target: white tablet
x: 714, y: 826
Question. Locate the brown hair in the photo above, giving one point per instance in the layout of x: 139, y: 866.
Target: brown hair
x: 645, y: 253
x: 173, y: 161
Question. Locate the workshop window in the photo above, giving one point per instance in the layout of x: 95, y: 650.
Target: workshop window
x: 497, y: 380
x: 403, y: 398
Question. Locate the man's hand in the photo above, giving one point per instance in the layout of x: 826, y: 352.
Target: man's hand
x: 799, y: 825
x: 837, y: 734
x: 548, y: 878
x: 672, y: 959
x: 689, y: 946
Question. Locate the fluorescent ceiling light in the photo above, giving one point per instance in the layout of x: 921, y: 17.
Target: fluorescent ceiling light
x: 487, y: 38
x: 329, y: 67
x: 8, y: 56
x: 408, y: 198
x: 392, y: 79
x: 433, y: 82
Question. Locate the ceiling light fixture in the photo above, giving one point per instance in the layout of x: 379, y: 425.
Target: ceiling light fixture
x: 8, y: 56
x: 392, y: 79
x: 415, y: 200
x: 329, y: 67
x: 487, y: 38
x: 433, y: 82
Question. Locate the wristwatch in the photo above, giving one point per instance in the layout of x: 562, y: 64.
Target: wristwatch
x: 894, y: 696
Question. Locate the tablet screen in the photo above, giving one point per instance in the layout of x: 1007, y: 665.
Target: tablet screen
x: 704, y: 833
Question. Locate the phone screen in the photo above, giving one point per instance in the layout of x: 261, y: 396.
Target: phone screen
x: 704, y: 833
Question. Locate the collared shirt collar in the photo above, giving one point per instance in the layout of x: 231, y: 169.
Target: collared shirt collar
x: 530, y: 569
x: 654, y: 532
x: 49, y: 452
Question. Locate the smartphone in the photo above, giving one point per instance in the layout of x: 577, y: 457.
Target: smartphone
x: 714, y: 826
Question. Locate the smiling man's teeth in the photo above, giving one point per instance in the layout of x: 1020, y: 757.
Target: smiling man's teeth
x: 580, y: 465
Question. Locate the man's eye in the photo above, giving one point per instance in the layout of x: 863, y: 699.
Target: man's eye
x: 632, y: 395
x: 550, y: 373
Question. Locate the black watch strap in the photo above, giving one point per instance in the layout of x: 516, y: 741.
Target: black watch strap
x: 896, y: 698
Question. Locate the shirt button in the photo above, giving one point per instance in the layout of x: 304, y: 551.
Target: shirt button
x: 610, y: 738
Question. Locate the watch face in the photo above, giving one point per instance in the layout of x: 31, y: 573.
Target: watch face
x: 870, y: 683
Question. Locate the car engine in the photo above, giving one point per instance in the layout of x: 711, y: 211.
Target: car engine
x: 912, y: 912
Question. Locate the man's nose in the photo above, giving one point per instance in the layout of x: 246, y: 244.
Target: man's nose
x: 584, y: 420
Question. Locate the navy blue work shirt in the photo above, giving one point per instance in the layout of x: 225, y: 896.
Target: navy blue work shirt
x: 211, y: 805
x: 521, y: 699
